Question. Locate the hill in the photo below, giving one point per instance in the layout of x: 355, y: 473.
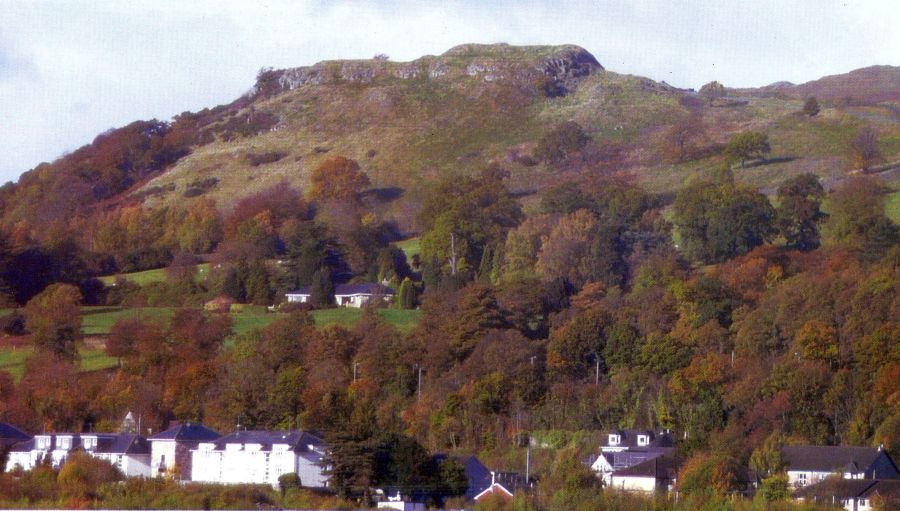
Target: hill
x: 408, y: 124
x: 870, y: 85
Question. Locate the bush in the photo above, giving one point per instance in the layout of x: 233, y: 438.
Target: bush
x: 289, y: 481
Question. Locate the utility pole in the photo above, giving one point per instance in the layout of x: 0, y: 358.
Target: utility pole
x: 355, y: 365
x: 597, y: 373
x: 528, y: 463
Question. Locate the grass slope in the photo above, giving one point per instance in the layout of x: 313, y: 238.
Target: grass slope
x: 142, y: 278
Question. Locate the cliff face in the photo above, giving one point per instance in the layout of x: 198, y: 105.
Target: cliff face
x: 559, y: 67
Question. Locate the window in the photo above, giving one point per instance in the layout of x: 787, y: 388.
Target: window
x: 65, y: 442
x: 643, y: 439
x: 863, y: 502
x: 43, y: 442
x: 614, y: 439
x: 89, y: 442
x: 801, y: 478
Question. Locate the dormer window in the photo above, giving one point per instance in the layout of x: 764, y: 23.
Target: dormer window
x: 64, y: 442
x: 643, y: 440
x: 42, y: 442
x: 89, y: 442
x: 614, y: 439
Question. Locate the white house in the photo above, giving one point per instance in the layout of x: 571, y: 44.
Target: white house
x: 348, y: 295
x: 170, y: 450
x: 260, y: 457
x: 627, y: 448
x: 852, y: 494
x: 809, y: 464
x: 129, y: 452
x: 656, y: 474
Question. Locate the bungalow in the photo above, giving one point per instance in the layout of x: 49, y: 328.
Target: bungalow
x: 348, y: 295
x: 130, y: 453
x: 853, y: 494
x: 808, y: 464
x: 659, y: 473
x: 170, y: 450
x: 260, y: 457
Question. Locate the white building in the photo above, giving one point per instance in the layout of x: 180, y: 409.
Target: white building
x: 170, y: 450
x: 627, y: 448
x: 130, y: 453
x: 853, y: 494
x: 260, y: 457
x: 810, y: 464
x: 348, y: 295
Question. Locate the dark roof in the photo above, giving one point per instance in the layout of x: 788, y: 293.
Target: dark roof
x: 624, y: 459
x: 826, y: 458
x: 629, y: 438
x: 26, y: 446
x: 307, y: 444
x: 187, y: 432
x: 367, y: 288
x: 835, y: 488
x: 660, y: 467
x: 122, y: 443
x: 8, y: 432
x: 888, y: 489
x: 511, y: 481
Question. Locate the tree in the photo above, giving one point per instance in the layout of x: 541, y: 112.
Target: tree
x: 811, y: 106
x: 339, y: 179
x: 322, y: 292
x: 54, y: 319
x: 560, y: 142
x: 857, y: 219
x: 746, y: 145
x: 864, y: 148
x: 798, y: 214
x: 82, y: 475
x: 406, y: 296
x: 679, y: 141
x: 718, y: 222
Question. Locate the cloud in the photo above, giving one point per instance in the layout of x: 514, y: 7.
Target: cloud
x: 71, y: 69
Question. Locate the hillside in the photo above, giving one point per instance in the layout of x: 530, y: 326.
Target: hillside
x: 409, y: 123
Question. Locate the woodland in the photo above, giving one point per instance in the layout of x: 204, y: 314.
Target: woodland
x: 744, y: 308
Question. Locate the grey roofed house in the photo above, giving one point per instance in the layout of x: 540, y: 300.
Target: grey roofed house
x: 856, y: 493
x: 872, y: 462
x: 187, y: 432
x: 663, y: 468
x: 619, y: 460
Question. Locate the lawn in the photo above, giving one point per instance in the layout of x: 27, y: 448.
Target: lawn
x: 142, y: 278
x: 13, y: 360
x: 99, y: 320
x: 251, y: 318
x: 892, y: 207
x: 410, y: 247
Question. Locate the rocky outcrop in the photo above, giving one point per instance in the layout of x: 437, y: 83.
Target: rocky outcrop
x: 554, y: 67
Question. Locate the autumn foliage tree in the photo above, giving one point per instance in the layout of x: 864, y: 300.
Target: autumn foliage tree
x: 54, y: 319
x: 339, y: 179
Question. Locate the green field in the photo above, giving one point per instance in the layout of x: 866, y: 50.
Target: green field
x: 99, y: 320
x: 410, y: 247
x: 892, y: 207
x: 13, y: 360
x: 142, y: 278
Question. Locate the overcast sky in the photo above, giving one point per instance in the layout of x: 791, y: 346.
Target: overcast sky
x: 70, y: 69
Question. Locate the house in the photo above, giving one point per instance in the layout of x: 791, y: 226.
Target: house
x: 853, y: 494
x: 626, y: 448
x: 170, y: 450
x: 503, y: 484
x: 130, y: 453
x: 809, y: 464
x: 260, y: 457
x: 659, y: 473
x: 397, y: 502
x: 348, y: 295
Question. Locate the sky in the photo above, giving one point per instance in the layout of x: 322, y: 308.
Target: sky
x: 71, y: 69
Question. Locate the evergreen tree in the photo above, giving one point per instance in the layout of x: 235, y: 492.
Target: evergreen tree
x: 322, y: 292
x: 406, y: 295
